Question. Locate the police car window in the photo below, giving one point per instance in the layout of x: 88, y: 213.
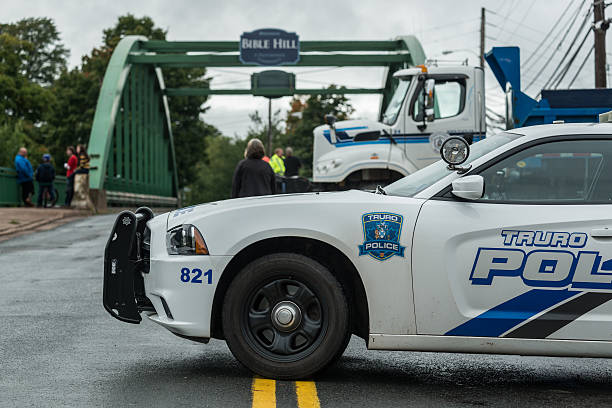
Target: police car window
x: 449, y: 99
x: 566, y: 171
x: 420, y: 180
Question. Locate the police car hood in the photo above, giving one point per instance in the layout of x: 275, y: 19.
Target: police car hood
x: 281, y: 202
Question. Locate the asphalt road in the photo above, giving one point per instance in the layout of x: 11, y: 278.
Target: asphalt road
x: 58, y: 347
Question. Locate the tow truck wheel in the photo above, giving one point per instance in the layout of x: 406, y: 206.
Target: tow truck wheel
x: 285, y: 316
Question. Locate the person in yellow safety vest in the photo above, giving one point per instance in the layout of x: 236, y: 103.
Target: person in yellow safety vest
x: 277, y: 162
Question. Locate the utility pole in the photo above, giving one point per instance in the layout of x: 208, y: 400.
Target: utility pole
x: 482, y: 36
x: 599, y: 32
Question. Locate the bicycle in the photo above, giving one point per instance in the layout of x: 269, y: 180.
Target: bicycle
x: 48, y: 201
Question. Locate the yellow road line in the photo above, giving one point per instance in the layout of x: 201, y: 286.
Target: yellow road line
x: 264, y: 393
x: 307, y: 394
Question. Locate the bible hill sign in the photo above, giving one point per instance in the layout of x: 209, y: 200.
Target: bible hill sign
x: 269, y: 46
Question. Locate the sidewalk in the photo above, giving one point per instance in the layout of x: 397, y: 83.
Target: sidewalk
x: 17, y: 220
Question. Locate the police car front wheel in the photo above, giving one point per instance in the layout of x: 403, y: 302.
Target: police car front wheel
x: 285, y: 316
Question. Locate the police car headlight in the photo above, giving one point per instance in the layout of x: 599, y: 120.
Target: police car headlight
x: 185, y: 240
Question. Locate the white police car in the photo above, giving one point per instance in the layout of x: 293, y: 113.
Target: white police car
x: 508, y: 249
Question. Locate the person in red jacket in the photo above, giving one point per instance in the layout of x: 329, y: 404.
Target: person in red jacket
x: 70, y: 167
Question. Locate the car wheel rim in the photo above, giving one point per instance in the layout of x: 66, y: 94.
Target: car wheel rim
x: 284, y: 320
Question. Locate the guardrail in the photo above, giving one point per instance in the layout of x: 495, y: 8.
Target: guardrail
x: 10, y: 194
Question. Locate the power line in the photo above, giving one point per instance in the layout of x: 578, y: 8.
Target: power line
x: 555, y: 49
x: 451, y: 37
x: 552, y: 29
x: 505, y: 18
x: 516, y: 22
x: 571, y: 60
x: 230, y: 82
x: 229, y: 71
x: 526, y: 14
x: 581, y: 66
x: 553, y: 76
x: 517, y: 35
x: 584, y: 22
x: 497, y: 115
x: 441, y: 27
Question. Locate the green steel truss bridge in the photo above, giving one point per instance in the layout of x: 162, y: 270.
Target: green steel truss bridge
x: 131, y: 142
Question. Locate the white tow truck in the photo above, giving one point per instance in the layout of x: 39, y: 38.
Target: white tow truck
x: 430, y: 104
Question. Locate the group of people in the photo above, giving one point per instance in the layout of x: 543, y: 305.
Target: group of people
x: 78, y: 163
x: 256, y: 174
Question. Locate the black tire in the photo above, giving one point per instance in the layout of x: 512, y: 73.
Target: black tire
x: 309, y: 343
x: 55, y: 197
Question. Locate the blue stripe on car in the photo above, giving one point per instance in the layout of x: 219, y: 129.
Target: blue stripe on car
x: 498, y: 320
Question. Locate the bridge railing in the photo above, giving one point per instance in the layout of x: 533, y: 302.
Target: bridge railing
x: 10, y: 193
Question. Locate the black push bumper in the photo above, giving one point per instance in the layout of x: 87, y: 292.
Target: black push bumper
x: 126, y: 258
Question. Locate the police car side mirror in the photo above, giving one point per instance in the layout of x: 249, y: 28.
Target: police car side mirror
x: 469, y: 187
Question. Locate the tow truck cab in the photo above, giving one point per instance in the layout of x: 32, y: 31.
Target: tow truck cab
x: 364, y: 153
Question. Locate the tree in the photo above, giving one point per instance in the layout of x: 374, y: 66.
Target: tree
x: 259, y: 129
x: 304, y: 116
x: 23, y: 103
x: 213, y: 178
x: 70, y: 123
x: 189, y: 130
x: 20, y: 98
x: 43, y: 53
x: 96, y: 63
x: 13, y: 135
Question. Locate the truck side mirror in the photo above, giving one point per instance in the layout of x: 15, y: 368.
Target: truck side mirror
x: 330, y: 120
x: 428, y: 100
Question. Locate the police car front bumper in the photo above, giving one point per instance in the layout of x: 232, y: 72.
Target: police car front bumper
x: 126, y: 257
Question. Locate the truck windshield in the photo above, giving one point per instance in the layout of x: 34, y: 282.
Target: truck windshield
x: 418, y: 181
x: 390, y: 115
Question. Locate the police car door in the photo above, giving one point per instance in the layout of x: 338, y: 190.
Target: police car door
x: 532, y: 258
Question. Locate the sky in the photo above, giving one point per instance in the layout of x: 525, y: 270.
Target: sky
x: 447, y: 29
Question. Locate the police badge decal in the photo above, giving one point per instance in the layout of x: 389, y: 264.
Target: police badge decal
x: 381, y: 234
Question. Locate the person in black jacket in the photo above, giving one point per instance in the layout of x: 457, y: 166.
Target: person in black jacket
x: 253, y: 176
x: 45, y: 174
x: 292, y: 163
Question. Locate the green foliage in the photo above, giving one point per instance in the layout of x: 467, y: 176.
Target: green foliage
x: 189, y: 131
x: 75, y: 93
x: 20, y: 98
x: 259, y: 129
x: 213, y: 177
x: 131, y: 25
x: 25, y: 103
x: 43, y: 53
x: 304, y: 116
x: 13, y: 136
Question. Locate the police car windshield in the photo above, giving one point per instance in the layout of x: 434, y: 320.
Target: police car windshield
x: 420, y: 180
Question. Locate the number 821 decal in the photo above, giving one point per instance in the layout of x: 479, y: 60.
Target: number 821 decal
x: 195, y: 275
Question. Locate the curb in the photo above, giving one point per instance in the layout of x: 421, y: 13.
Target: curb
x: 37, y: 223
x: 29, y: 226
